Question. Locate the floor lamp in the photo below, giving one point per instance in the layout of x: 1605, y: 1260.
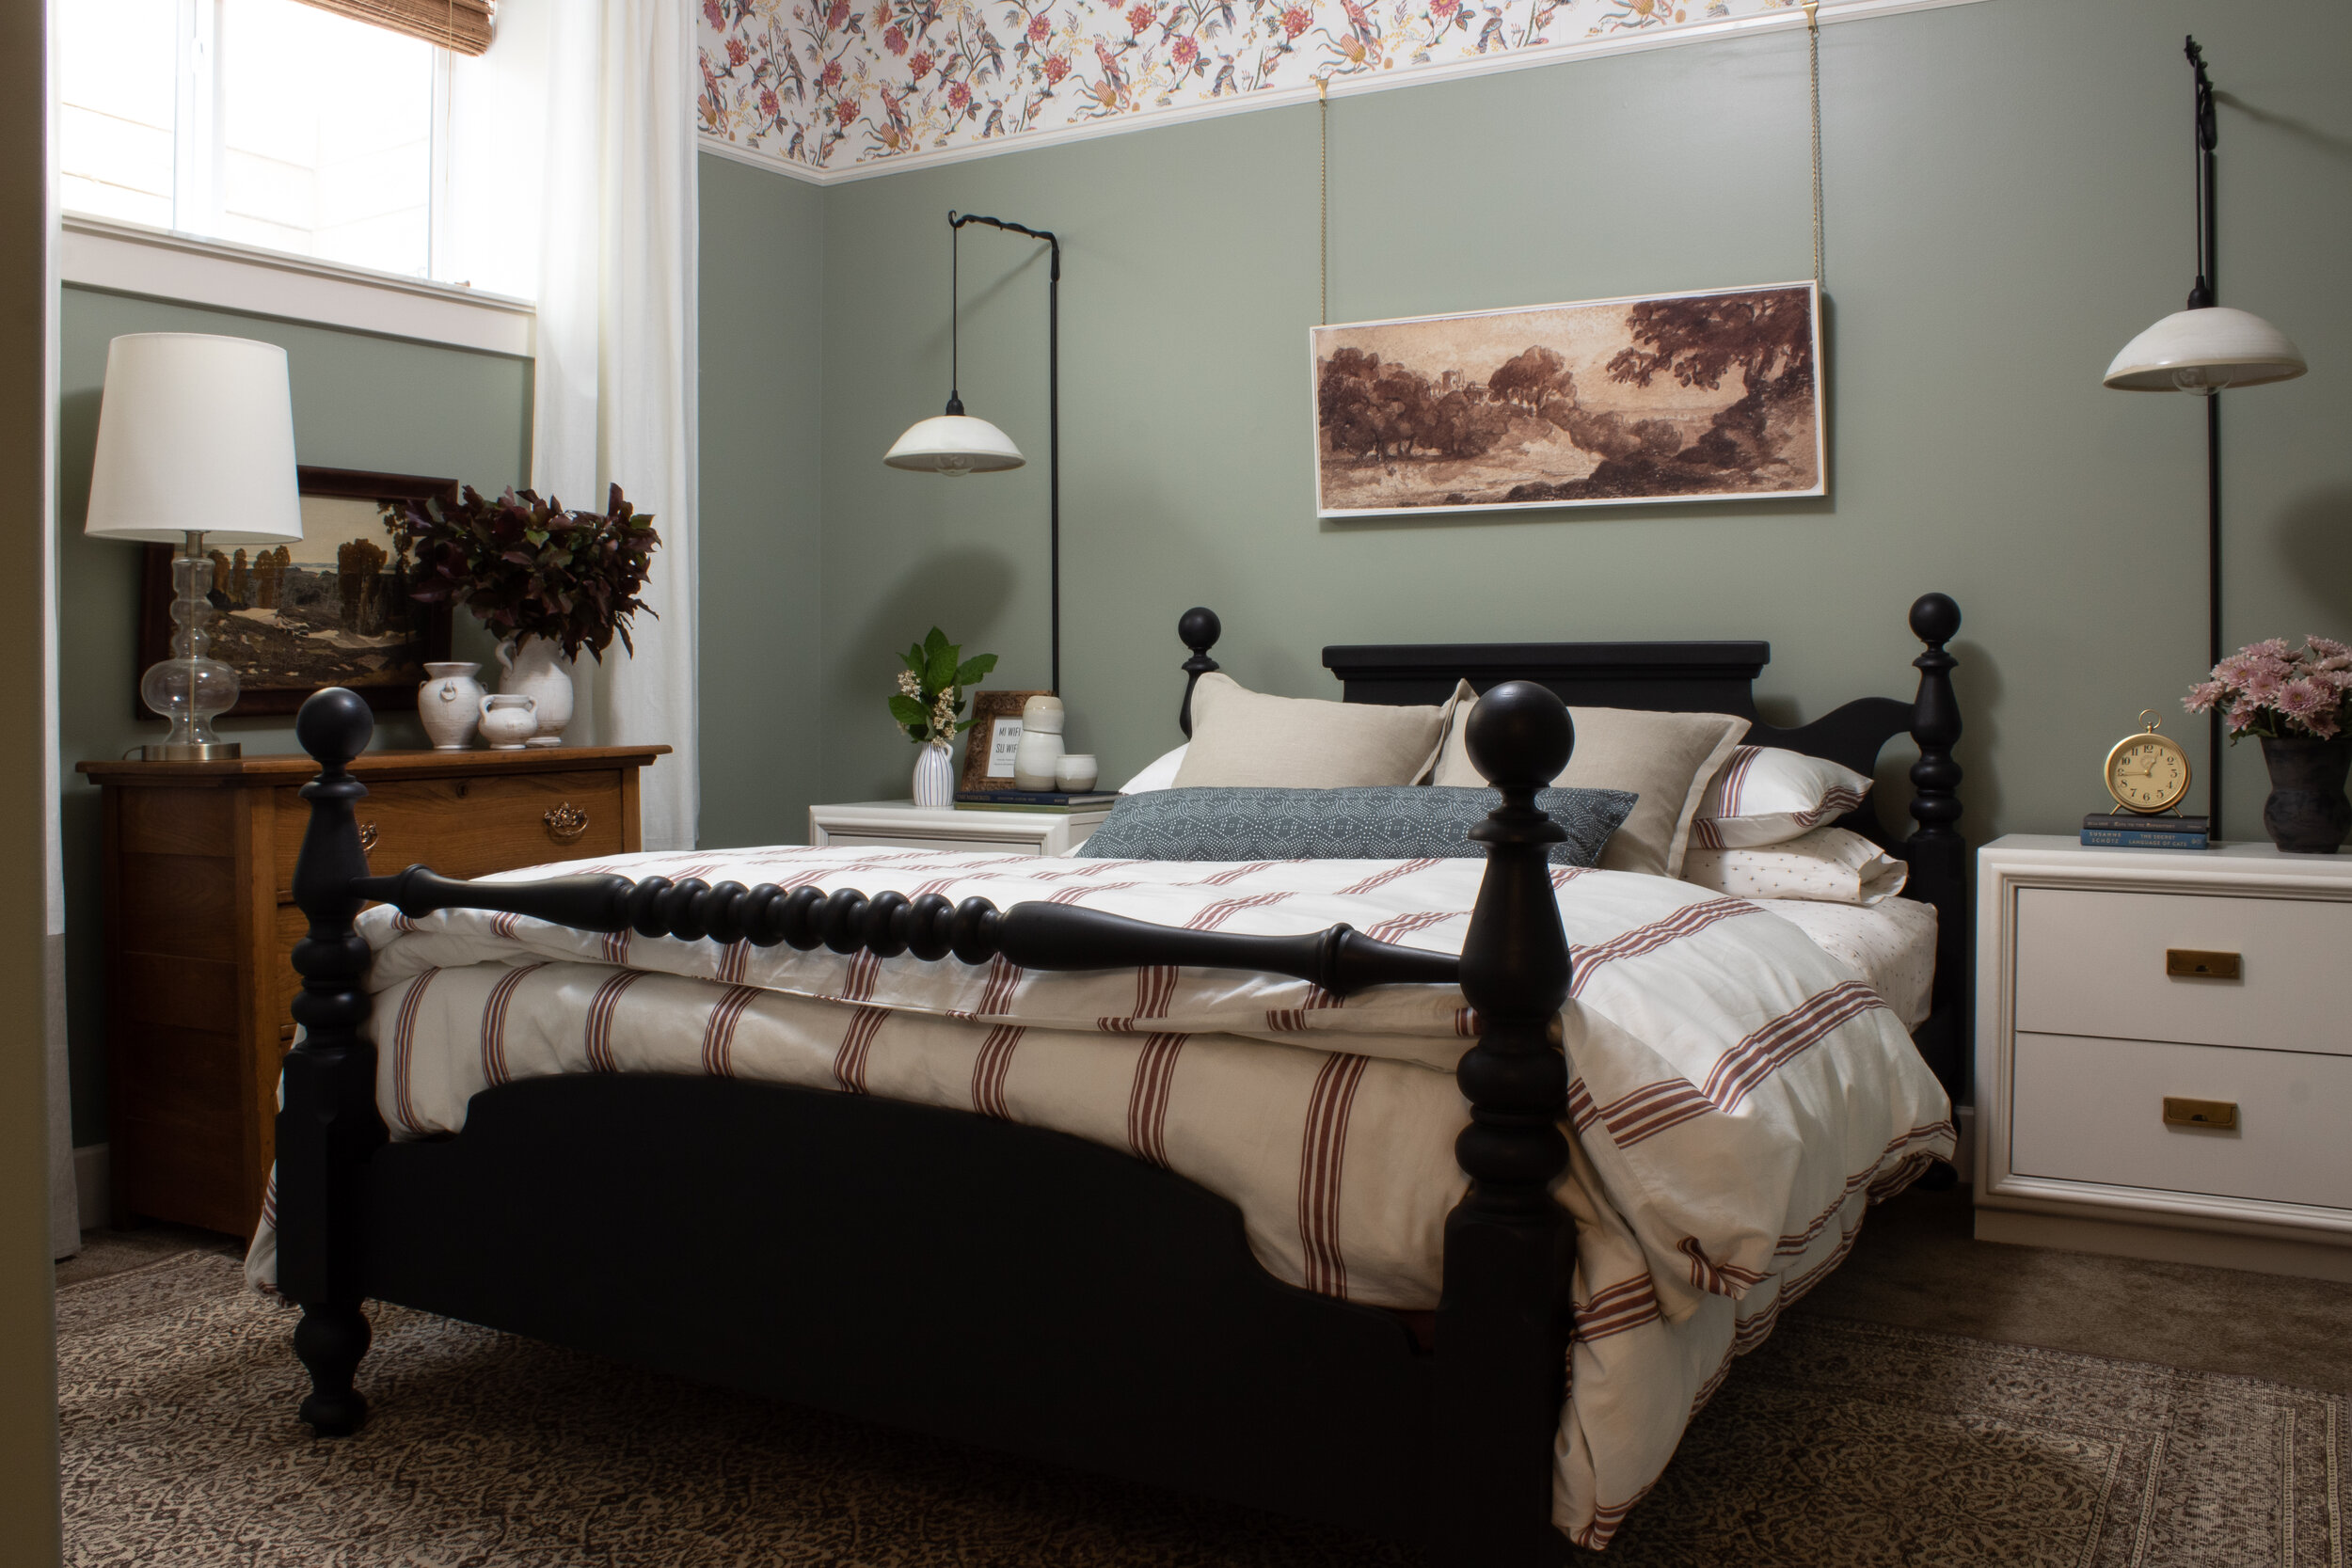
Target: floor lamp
x: 2202, y: 350
x: 956, y: 444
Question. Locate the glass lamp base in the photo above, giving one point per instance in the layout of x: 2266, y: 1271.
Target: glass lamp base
x: 170, y: 751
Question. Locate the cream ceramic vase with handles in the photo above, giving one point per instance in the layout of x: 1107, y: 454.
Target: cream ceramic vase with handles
x: 534, y: 671
x: 934, y: 775
x: 508, y: 722
x: 449, y: 703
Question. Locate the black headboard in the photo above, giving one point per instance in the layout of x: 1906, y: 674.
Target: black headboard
x: 1720, y: 677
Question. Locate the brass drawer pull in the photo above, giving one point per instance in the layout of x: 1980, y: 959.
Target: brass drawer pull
x: 2189, y: 964
x: 367, y: 837
x: 2217, y: 1115
x: 565, y: 822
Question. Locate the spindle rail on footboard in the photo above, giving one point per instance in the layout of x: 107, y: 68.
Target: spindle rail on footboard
x: 1147, y: 1344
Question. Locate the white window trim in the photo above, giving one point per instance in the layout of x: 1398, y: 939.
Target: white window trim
x: 159, y: 263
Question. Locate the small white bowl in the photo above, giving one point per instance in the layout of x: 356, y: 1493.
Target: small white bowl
x: 1076, y: 773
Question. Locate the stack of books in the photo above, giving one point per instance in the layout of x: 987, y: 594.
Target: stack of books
x: 2124, y: 832
x: 1031, y: 799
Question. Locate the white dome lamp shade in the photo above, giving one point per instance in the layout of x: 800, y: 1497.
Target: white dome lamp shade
x: 954, y: 444
x: 194, y: 448
x: 2204, y: 350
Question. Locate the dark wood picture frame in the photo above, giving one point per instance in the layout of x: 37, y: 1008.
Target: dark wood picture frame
x: 334, y: 484
x: 989, y: 709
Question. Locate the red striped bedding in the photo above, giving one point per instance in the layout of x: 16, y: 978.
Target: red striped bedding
x: 1737, y: 1097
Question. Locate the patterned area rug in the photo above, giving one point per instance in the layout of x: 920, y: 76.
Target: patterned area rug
x: 1836, y: 1444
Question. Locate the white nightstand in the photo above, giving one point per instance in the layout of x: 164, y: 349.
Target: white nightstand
x: 2109, y: 981
x: 904, y: 825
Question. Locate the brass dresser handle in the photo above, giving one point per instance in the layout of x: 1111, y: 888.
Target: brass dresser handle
x: 367, y: 837
x: 2218, y: 1114
x: 565, y: 822
x: 2190, y: 964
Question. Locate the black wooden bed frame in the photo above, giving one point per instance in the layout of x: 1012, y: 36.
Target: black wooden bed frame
x: 1010, y: 1286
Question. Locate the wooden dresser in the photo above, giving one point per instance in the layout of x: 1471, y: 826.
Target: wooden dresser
x: 198, y: 858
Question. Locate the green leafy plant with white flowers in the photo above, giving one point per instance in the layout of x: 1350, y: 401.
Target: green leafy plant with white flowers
x: 934, y: 688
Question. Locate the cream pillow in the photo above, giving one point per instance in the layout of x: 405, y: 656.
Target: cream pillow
x: 1668, y: 759
x: 1828, y: 865
x: 1244, y: 738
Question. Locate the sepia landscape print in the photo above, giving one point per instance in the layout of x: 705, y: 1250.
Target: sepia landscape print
x: 1674, y: 397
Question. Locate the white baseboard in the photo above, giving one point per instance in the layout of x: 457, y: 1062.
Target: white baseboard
x: 89, y: 1186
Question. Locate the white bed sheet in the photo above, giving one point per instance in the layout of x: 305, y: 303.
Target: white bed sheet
x: 1890, y: 945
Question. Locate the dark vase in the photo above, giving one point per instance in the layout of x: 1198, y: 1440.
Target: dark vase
x: 2307, y: 812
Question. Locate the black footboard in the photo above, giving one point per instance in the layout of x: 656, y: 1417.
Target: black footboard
x: 975, y: 1279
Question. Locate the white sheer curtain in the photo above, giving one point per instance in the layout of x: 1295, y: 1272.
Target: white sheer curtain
x: 614, y: 217
x: 616, y: 395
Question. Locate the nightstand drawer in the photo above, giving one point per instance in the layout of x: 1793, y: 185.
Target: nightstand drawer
x: 922, y: 841
x: 2092, y: 1110
x: 2094, y: 964
x: 472, y: 827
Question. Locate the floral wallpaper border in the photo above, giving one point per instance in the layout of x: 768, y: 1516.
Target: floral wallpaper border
x: 832, y: 88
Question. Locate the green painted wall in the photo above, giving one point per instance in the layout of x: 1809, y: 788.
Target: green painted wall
x: 2007, y: 193
x: 761, y: 324
x: 360, y: 402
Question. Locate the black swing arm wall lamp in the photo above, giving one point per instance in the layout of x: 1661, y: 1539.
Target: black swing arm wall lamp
x: 955, y: 443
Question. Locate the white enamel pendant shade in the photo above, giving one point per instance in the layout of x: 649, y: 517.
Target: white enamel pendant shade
x: 2203, y: 351
x: 954, y: 445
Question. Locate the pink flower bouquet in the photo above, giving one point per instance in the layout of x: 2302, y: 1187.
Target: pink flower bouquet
x: 2265, y: 689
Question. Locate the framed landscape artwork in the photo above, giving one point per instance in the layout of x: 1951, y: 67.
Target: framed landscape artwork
x: 332, y: 609
x: 1710, y: 396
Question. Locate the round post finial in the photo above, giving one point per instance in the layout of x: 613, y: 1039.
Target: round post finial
x: 1934, y: 618
x: 1521, y: 736
x: 334, y: 726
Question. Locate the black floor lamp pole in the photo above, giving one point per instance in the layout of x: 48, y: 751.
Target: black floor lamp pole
x: 1053, y: 408
x: 2213, y: 601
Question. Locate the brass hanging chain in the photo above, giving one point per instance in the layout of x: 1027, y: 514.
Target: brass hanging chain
x: 1323, y: 197
x: 1813, y: 50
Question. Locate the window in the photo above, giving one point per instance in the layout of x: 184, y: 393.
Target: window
x: 268, y: 123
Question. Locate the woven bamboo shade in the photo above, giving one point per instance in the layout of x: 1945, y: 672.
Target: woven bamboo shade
x: 464, y: 25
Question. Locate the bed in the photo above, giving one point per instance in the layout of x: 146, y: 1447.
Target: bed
x: 1025, y: 1287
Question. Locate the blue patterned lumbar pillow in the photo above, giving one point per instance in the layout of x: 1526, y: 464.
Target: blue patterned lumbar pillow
x: 1385, y: 823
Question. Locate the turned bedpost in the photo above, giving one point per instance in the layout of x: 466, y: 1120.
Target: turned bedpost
x: 329, y: 1127
x: 1200, y: 628
x: 1504, y: 1317
x: 1937, y: 854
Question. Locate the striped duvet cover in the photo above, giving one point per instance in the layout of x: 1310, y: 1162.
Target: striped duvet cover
x: 1738, y: 1097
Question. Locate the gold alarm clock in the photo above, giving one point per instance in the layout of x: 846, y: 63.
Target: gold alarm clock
x: 2148, y: 772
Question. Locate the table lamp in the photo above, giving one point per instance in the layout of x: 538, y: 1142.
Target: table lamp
x: 194, y: 448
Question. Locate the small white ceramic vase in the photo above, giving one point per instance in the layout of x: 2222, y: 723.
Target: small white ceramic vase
x: 934, y: 776
x: 1040, y: 744
x: 508, y: 720
x: 449, y: 703
x: 1076, y: 773
x: 534, y: 671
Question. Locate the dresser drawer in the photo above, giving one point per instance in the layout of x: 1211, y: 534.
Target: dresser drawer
x: 2093, y: 963
x: 470, y: 827
x: 2092, y: 1110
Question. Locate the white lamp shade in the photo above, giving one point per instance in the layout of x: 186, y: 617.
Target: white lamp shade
x: 195, y: 432
x: 2203, y: 351
x: 955, y: 444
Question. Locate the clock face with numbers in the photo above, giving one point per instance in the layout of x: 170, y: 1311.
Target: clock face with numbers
x: 2147, y: 772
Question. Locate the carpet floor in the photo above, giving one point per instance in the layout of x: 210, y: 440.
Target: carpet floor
x: 1839, y: 1442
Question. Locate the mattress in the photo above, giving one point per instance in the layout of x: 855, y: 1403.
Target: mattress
x: 1890, y: 945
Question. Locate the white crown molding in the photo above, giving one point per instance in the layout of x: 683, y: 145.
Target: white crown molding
x: 1788, y: 18
x: 189, y: 269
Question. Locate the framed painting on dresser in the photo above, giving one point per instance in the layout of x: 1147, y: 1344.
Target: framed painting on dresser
x: 331, y: 611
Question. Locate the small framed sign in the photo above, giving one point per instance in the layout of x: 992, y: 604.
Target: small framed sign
x: 990, y: 744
